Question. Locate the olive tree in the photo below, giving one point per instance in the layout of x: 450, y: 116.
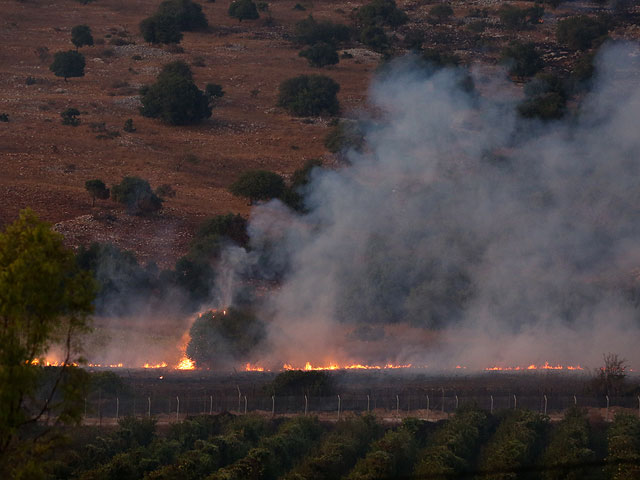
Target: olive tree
x: 81, y: 35
x: 68, y: 64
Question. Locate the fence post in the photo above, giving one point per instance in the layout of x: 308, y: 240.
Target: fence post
x: 273, y: 405
x: 338, y: 407
x: 239, y: 397
x: 306, y: 405
x: 210, y: 404
x: 545, y: 404
x: 427, y: 407
x: 177, y: 408
x: 397, y: 406
x: 117, y: 407
x: 369, y: 403
x: 491, y: 409
x: 148, y: 407
x: 245, y: 404
x: 607, y: 419
x: 442, y: 388
x: 85, y: 409
x: 456, y: 402
x: 100, y: 405
x: 575, y: 401
x: 515, y: 402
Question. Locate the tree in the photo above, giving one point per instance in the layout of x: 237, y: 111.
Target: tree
x: 233, y: 227
x: 373, y: 36
x: 81, y: 35
x: 320, y: 55
x: 243, y: 10
x: 45, y: 300
x: 258, y: 185
x: 174, y: 98
x: 187, y: 14
x: 309, y: 32
x: 160, y: 29
x: 522, y: 59
x: 68, y: 64
x: 441, y: 11
x: 382, y: 12
x: 97, y: 189
x: 70, y: 117
x: 580, y: 32
x: 136, y: 194
x: 309, y: 95
x: 213, y: 91
x: 611, y: 376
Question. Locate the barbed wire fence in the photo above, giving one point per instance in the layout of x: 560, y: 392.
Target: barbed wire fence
x: 101, y: 409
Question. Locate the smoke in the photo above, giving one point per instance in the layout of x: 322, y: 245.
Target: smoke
x: 464, y: 235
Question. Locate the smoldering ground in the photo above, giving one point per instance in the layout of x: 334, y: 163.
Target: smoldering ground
x: 464, y: 235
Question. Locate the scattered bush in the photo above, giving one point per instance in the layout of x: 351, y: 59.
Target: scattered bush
x: 522, y: 59
x: 381, y: 12
x: 81, y: 35
x: 309, y: 95
x: 136, y: 195
x: 310, y: 32
x: 441, y: 11
x: 97, y: 189
x: 320, y: 55
x: 68, y: 64
x: 128, y: 126
x: 581, y: 32
x: 174, y: 98
x: 373, y: 36
x: 70, y: 117
x: 258, y: 185
x: 515, y: 18
x: 4, y: 117
x: 243, y: 10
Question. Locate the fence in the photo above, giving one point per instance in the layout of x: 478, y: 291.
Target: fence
x: 99, y: 409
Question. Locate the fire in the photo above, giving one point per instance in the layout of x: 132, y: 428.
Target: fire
x: 185, y: 364
x: 253, y: 368
x: 334, y: 366
x: 545, y: 366
x: 157, y: 365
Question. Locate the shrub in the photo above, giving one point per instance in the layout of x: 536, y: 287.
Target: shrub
x: 174, y: 98
x: 514, y: 17
x: 97, y: 189
x: 441, y: 11
x: 320, y: 55
x: 546, y: 98
x: 187, y: 14
x: 136, y: 195
x: 81, y: 35
x: 309, y: 95
x: 128, y: 126
x: 161, y: 29
x: 70, y: 117
x: 233, y: 227
x: 258, y: 185
x: 310, y: 32
x: 373, y: 36
x: 623, y: 448
x: 299, y: 382
x: 345, y: 135
x: 4, y: 117
x: 213, y: 91
x: 580, y: 32
x: 165, y: 191
x: 222, y: 339
x: 68, y: 64
x: 381, y: 12
x: 243, y: 10
x: 522, y: 59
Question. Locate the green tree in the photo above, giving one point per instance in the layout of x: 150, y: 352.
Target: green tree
x: 441, y: 11
x: 381, y: 12
x: 70, y: 117
x: 258, y: 185
x: 45, y: 300
x: 373, y: 36
x: 233, y: 227
x: 161, y: 29
x: 81, y: 35
x: 187, y: 14
x: 320, y: 55
x: 174, y: 98
x: 309, y: 95
x: 545, y: 98
x: 309, y: 32
x: 68, y: 64
x: 97, y: 189
x: 580, y: 32
x: 522, y: 59
x: 243, y: 10
x: 136, y: 194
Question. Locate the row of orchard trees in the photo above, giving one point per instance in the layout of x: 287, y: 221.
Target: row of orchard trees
x: 515, y: 444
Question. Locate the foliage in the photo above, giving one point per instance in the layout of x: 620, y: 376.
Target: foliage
x: 441, y: 11
x: 452, y: 449
x: 136, y: 194
x: 4, y: 117
x: 580, y: 32
x: 70, y: 117
x: 68, y: 64
x: 515, y: 18
x: 128, y: 126
x: 45, y: 299
x: 623, y: 448
x: 222, y: 339
x: 569, y: 444
x: 522, y: 59
x: 187, y: 14
x: 338, y: 451
x: 373, y: 36
x: 297, y: 382
x: 233, y: 227
x: 516, y: 442
x: 546, y: 98
x: 345, y: 135
x: 174, y: 98
x: 320, y: 55
x: 610, y: 378
x: 81, y: 35
x: 97, y: 189
x: 309, y: 95
x: 258, y: 185
x: 381, y: 12
x: 160, y: 29
x: 310, y: 32
x: 243, y: 10
x: 194, y: 276
x: 213, y: 91
x: 440, y: 58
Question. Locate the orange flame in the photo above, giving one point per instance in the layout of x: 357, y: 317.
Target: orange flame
x: 545, y: 366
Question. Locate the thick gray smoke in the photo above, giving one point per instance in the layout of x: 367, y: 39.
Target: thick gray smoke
x: 465, y: 236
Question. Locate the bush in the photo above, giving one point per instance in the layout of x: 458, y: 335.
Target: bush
x: 373, y: 36
x: 514, y: 17
x: 623, y: 449
x: 136, y: 194
x: 213, y: 91
x: 381, y: 12
x: 546, y: 98
x: 159, y: 29
x: 320, y: 55
x: 580, y: 32
x: 243, y: 10
x: 344, y: 136
x: 97, y: 189
x: 299, y: 382
x: 81, y: 35
x: 70, y: 117
x: 221, y: 340
x: 309, y: 95
x: 68, y: 64
x: 187, y: 14
x: 258, y: 185
x: 233, y: 227
x: 165, y: 191
x: 441, y: 11
x: 310, y: 32
x: 174, y: 98
x: 128, y: 126
x: 4, y: 117
x: 522, y: 59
